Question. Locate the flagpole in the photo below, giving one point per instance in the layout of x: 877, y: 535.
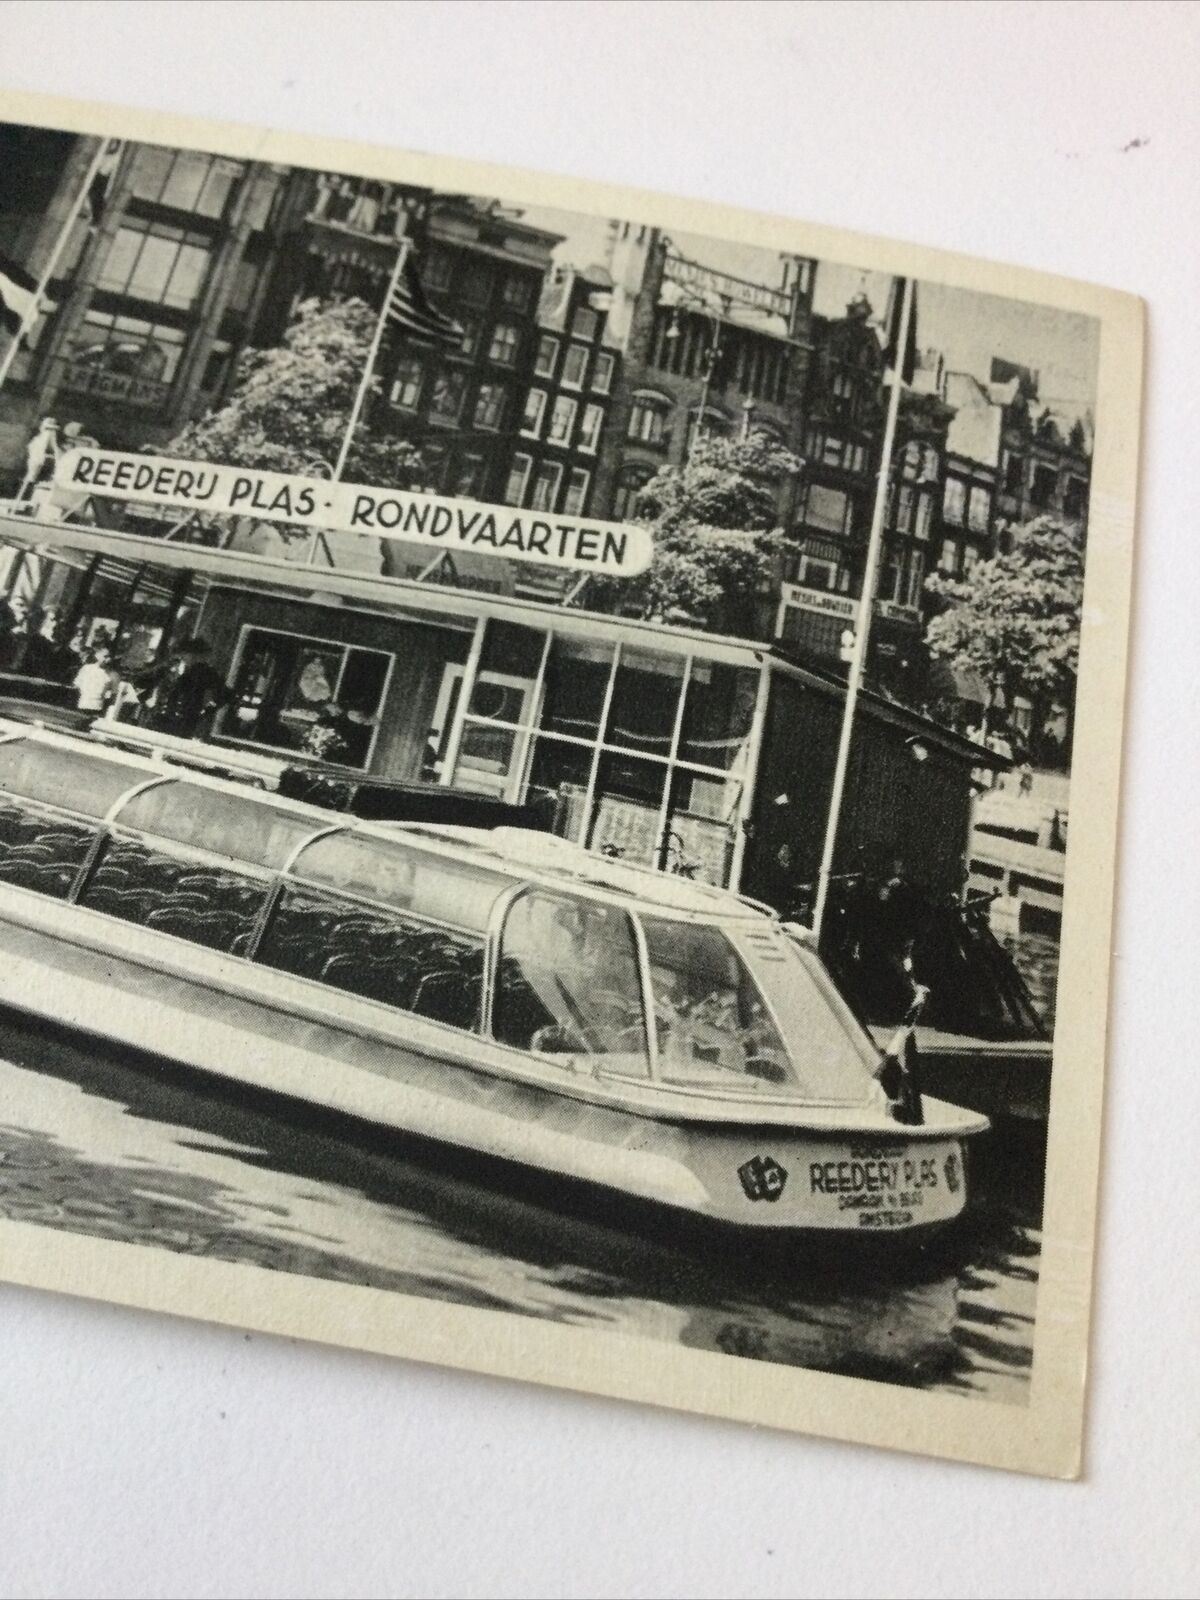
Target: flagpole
x: 866, y: 603
x: 103, y: 151
x: 368, y: 370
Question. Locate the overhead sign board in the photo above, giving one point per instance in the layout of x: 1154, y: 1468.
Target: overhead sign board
x: 739, y: 291
x: 582, y: 544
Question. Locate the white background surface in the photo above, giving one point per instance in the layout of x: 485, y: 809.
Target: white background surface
x: 146, y: 1456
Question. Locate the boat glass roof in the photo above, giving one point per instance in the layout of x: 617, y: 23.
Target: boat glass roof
x: 246, y: 828
x: 395, y: 872
x: 76, y: 779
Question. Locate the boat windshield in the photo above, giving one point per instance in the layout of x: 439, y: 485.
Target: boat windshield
x: 568, y: 985
x: 734, y: 1012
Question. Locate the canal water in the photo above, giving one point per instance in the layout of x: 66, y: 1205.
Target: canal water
x: 95, y: 1146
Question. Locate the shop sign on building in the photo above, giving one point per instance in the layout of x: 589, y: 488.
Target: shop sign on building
x: 613, y: 549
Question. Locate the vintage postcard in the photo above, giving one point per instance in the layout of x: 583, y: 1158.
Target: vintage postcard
x: 559, y: 756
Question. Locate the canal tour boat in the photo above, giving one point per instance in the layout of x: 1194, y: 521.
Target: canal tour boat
x: 499, y: 993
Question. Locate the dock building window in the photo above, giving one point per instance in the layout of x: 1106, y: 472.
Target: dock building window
x: 184, y: 180
x: 642, y: 753
x: 288, y: 688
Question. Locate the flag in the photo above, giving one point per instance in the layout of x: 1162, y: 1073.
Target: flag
x: 409, y: 310
x: 19, y: 306
x: 891, y: 354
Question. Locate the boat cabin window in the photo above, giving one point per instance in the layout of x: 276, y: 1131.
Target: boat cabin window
x: 568, y: 985
x: 200, y: 901
x: 241, y: 827
x: 378, y: 953
x: 713, y: 1028
x: 77, y: 780
x: 41, y: 849
x: 392, y: 871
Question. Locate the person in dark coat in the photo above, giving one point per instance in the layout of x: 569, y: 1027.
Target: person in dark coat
x: 182, y: 693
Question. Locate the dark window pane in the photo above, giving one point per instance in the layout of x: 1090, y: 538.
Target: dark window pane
x: 562, y: 770
x: 717, y: 714
x: 568, y: 984
x: 378, y: 954
x: 204, y: 904
x: 629, y: 795
x: 645, y: 699
x: 514, y: 651
x: 39, y: 850
x: 576, y: 680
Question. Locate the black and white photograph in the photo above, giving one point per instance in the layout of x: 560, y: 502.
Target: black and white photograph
x: 536, y: 754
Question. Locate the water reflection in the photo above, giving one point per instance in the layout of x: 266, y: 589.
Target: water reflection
x: 97, y: 1147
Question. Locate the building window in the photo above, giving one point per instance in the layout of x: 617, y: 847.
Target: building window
x: 954, y: 501
x: 535, y: 410
x: 924, y: 512
x: 589, y: 430
x: 916, y: 576
x: 584, y: 323
x: 602, y: 371
x: 489, y: 407
x: 157, y: 263
x: 562, y: 420
x: 506, y: 341
x: 979, y: 514
x: 828, y: 509
x: 574, y: 366
x: 518, y: 291
x: 1075, y: 497
x: 1045, y: 482
x: 437, y: 271
x: 449, y: 390
x: 470, y: 336
x: 817, y: 572
x: 545, y: 486
x: 547, y: 353
x: 904, y: 508
x: 518, y: 477
x: 185, y: 180
x: 468, y: 476
x: 833, y: 450
x: 949, y: 561
x: 125, y: 358
x: 629, y: 487
x: 970, y: 557
x: 477, y: 284
x: 577, y: 487
x: 1014, y: 474
x: 647, y: 419
x: 406, y: 385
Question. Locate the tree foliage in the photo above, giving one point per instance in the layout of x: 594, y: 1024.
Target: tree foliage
x: 289, y: 408
x: 1015, y: 619
x: 712, y: 520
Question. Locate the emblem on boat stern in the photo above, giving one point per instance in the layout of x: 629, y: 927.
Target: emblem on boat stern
x: 763, y: 1178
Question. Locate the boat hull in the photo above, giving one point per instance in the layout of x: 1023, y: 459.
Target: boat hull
x: 767, y: 1180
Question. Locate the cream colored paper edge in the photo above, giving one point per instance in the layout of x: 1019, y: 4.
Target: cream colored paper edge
x: 1046, y: 1435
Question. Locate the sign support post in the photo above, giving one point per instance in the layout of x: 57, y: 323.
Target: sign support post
x: 862, y: 624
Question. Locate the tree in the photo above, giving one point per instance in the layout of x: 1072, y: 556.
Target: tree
x: 289, y: 408
x: 1015, y: 619
x: 713, y: 521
